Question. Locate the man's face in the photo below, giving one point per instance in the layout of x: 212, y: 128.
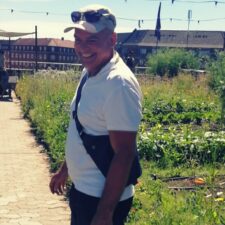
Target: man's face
x: 94, y: 50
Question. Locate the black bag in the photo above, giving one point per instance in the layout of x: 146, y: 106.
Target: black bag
x: 99, y: 147
x: 101, y: 152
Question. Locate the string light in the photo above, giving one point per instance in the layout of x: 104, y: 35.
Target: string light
x: 139, y: 23
x: 119, y: 18
x: 190, y: 1
x: 34, y: 12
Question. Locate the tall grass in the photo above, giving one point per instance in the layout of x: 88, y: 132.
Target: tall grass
x: 45, y: 100
x: 183, y: 86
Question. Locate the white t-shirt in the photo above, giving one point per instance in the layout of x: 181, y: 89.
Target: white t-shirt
x: 110, y: 100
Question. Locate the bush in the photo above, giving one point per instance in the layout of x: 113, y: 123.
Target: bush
x: 169, y: 61
x: 217, y: 80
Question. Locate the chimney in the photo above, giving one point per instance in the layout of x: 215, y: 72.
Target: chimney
x: 62, y: 38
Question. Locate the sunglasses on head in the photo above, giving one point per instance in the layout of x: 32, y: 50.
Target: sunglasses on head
x: 89, y: 16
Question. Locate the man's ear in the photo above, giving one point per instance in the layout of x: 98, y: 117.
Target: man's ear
x: 114, y: 39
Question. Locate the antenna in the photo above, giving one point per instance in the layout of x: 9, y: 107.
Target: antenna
x: 189, y: 20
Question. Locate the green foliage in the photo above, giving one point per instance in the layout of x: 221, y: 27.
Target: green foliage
x: 45, y: 101
x: 181, y: 145
x: 178, y: 111
x: 217, y: 80
x: 180, y: 100
x: 155, y: 203
x: 177, y: 114
x: 179, y: 132
x: 169, y: 61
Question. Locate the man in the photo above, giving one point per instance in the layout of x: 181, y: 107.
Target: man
x: 109, y: 107
x: 130, y: 61
x: 4, y: 78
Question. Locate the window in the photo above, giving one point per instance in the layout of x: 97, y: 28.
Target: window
x: 52, y: 57
x: 52, y: 49
x: 143, y: 51
x: 198, y: 36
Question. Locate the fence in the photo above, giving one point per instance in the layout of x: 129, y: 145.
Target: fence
x: 31, y: 65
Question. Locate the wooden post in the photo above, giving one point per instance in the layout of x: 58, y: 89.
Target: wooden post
x: 10, y: 54
x: 36, y: 50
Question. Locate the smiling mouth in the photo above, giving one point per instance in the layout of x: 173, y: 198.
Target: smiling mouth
x: 86, y: 56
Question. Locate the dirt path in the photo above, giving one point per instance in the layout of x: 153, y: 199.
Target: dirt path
x: 25, y: 198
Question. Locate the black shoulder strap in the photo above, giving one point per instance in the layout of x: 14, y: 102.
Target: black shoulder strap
x: 101, y: 144
x: 78, y: 96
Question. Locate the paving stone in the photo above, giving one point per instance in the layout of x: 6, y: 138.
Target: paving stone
x: 10, y: 223
x: 30, y: 223
x: 4, y: 211
x: 11, y: 216
x: 29, y: 215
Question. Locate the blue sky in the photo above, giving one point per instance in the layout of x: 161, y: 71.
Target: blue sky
x: 28, y: 13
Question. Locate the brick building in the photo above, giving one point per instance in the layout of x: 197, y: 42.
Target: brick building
x: 59, y: 53
x: 50, y: 53
x: 142, y: 43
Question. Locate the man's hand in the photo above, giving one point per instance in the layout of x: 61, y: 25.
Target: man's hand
x: 58, y: 181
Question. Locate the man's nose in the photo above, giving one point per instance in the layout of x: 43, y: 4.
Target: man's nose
x: 81, y: 45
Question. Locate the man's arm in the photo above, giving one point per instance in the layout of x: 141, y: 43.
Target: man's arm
x: 58, y: 181
x: 124, y: 145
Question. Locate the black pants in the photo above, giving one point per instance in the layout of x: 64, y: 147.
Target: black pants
x: 83, y: 208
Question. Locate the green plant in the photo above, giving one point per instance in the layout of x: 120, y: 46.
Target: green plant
x: 170, y: 61
x: 217, y: 80
x: 170, y: 141
x: 45, y: 99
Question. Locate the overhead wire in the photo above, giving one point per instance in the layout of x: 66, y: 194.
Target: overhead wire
x: 139, y: 20
x: 189, y: 1
x: 120, y: 18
